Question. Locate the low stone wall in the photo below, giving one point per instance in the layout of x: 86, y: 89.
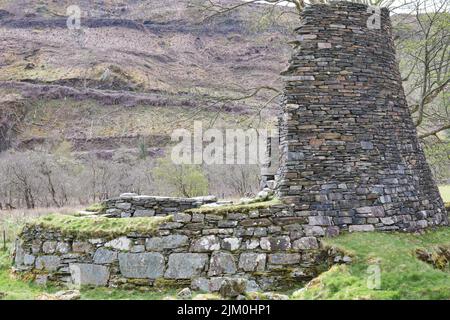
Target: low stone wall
x: 268, y: 247
x: 133, y: 205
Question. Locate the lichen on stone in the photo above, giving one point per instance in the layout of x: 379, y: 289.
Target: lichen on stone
x: 241, y: 208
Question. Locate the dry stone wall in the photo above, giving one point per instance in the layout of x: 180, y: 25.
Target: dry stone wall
x: 350, y: 156
x: 132, y: 205
x: 266, y: 247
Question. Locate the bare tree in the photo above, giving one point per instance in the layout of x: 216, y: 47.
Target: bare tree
x: 425, y: 54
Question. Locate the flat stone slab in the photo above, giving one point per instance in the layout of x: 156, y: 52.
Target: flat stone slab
x: 186, y: 265
x: 104, y: 256
x: 89, y: 274
x: 141, y: 265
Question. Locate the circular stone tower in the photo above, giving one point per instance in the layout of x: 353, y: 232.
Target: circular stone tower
x: 349, y: 152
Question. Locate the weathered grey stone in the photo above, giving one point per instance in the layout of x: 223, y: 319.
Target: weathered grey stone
x: 221, y: 263
x: 387, y: 221
x: 206, y: 244
x: 332, y: 231
x: 231, y: 244
x: 137, y: 248
x: 182, y: 217
x: 104, y: 256
x: 305, y: 243
x: 68, y: 295
x: 263, y: 195
x: 141, y: 265
x: 186, y: 265
x: 422, y: 224
x: 63, y: 247
x: 275, y: 243
x: 320, y: 221
x: 18, y: 253
x: 249, y: 261
x: 251, y: 244
x: 284, y: 258
x: 49, y: 247
x: 168, y: 242
x: 48, y: 263
x: 123, y: 205
x: 252, y: 286
x: 366, y: 145
x: 361, y: 228
x: 232, y: 287
x: 323, y: 45
x: 274, y: 296
x: 128, y: 195
x: 184, y: 293
x: 200, y: 284
x: 28, y: 259
x: 263, y: 222
x: 36, y: 246
x: 144, y: 213
x: 260, y: 232
x: 81, y: 247
x: 314, y: 231
x: 89, y: 274
x: 376, y: 211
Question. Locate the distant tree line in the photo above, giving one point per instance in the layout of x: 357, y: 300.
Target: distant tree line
x: 54, y: 178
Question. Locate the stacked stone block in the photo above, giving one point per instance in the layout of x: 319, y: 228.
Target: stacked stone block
x: 133, y: 205
x: 267, y: 247
x: 350, y: 156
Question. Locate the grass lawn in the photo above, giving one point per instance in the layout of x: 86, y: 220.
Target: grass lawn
x: 445, y: 193
x: 403, y: 275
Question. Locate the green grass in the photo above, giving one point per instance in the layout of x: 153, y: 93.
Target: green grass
x: 96, y: 207
x: 403, y: 275
x: 445, y: 193
x: 242, y: 208
x: 98, y: 227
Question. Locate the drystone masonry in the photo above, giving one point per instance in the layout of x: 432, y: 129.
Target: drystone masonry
x: 265, y: 248
x: 350, y: 155
x: 349, y: 160
x: 132, y: 205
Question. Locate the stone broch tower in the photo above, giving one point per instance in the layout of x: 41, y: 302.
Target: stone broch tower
x: 349, y: 149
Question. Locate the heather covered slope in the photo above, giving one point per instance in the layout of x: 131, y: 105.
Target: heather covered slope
x: 133, y: 66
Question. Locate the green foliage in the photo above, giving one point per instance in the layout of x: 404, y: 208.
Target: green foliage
x: 95, y: 207
x: 438, y: 156
x: 403, y: 275
x: 93, y: 227
x: 143, y: 152
x: 186, y: 180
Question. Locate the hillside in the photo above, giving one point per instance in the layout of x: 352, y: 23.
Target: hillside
x: 133, y: 70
